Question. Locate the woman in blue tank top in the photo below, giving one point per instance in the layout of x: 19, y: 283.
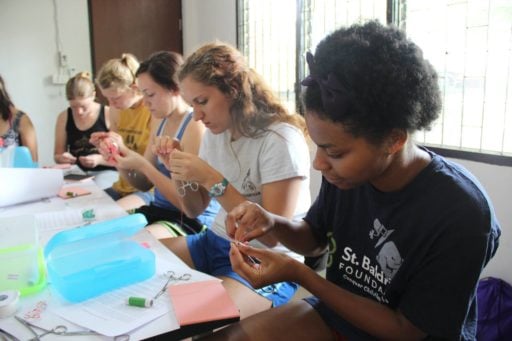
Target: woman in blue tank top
x: 157, y: 81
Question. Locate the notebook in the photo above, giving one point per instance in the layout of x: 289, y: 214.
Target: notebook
x: 199, y: 302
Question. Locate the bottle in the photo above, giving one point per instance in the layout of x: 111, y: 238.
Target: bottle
x: 6, y: 154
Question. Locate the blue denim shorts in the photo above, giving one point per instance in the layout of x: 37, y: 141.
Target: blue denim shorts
x: 148, y: 197
x: 210, y: 254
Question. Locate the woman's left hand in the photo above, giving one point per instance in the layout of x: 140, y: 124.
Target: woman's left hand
x: 262, y: 267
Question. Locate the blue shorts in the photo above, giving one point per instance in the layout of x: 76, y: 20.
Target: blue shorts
x: 210, y: 254
x: 342, y: 328
x: 148, y: 197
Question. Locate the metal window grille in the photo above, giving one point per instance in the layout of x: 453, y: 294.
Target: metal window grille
x: 469, y: 42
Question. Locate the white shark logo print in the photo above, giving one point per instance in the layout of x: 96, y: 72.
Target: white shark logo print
x: 389, y: 257
x: 379, y: 230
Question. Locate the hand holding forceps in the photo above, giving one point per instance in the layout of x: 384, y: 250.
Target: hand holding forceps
x: 61, y: 330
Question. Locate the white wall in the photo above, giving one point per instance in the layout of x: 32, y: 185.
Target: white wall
x: 205, y: 21
x: 28, y: 59
x: 28, y: 36
x: 498, y: 184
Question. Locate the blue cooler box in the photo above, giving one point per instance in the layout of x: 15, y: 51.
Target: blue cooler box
x: 88, y: 261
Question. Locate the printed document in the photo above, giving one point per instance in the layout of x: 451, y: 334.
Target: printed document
x: 110, y: 315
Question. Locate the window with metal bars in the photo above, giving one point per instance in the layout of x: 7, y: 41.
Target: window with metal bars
x: 469, y: 42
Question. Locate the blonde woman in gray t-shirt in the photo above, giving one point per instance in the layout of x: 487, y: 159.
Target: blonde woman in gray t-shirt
x: 252, y: 150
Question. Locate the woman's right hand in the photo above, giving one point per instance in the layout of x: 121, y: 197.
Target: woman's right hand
x: 262, y: 267
x: 248, y: 221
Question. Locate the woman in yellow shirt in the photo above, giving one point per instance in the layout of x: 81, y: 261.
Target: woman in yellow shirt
x: 130, y: 118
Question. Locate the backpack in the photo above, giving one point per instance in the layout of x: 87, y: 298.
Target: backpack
x: 494, y: 302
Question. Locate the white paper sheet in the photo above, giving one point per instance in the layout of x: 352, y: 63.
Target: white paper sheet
x: 59, y: 220
x: 110, y: 315
x: 19, y: 185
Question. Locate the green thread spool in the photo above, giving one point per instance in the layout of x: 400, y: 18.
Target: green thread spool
x: 71, y: 194
x: 140, y: 302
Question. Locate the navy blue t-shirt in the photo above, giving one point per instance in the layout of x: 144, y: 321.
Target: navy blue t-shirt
x: 420, y: 249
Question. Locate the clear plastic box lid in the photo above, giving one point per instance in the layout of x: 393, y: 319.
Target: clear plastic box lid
x: 95, y: 235
x: 88, y: 261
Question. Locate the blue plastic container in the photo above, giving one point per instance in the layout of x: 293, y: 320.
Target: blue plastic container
x: 88, y: 261
x: 23, y: 158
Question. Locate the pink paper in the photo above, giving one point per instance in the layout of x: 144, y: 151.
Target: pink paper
x: 199, y: 302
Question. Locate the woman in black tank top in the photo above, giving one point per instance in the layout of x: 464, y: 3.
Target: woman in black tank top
x: 76, y: 124
x: 74, y: 128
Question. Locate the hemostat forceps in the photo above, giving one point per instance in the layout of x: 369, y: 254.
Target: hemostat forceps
x: 172, y: 277
x: 57, y: 330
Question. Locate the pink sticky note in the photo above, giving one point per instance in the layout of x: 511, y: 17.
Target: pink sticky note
x: 199, y: 302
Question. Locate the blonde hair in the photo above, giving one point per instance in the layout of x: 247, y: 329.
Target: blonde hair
x: 255, y: 107
x: 80, y: 86
x: 118, y: 72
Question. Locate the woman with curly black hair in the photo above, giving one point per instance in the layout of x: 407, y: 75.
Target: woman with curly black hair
x: 408, y: 232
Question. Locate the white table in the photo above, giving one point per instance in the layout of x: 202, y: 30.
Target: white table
x: 105, y: 208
